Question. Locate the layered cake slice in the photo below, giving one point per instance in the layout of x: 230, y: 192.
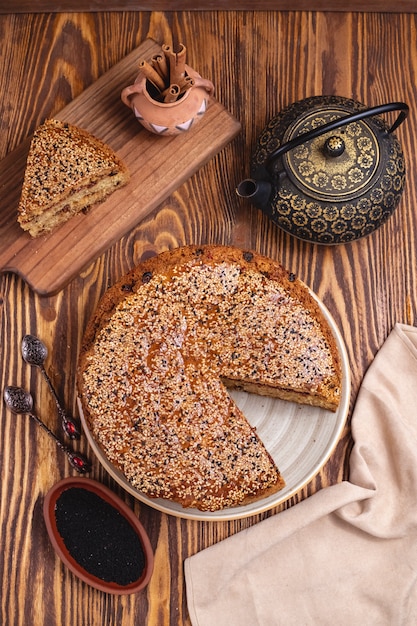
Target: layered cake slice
x: 67, y: 171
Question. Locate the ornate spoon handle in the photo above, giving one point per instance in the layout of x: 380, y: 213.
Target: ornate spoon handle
x: 34, y: 352
x: 20, y: 402
x: 69, y: 425
x: 76, y: 459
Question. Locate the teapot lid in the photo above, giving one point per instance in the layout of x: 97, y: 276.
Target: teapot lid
x: 337, y: 165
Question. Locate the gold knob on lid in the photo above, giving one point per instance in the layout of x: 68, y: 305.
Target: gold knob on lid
x: 334, y: 146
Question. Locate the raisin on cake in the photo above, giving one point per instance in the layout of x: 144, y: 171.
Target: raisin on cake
x: 67, y: 171
x: 163, y: 346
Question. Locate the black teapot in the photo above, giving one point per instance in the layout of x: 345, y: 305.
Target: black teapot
x: 327, y: 169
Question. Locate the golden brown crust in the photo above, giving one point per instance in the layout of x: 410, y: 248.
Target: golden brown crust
x: 67, y: 171
x: 226, y: 309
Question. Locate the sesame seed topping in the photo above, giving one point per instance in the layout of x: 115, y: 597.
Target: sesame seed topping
x: 153, y: 381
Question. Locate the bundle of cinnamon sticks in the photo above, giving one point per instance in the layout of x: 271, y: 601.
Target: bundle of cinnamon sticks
x: 167, y: 74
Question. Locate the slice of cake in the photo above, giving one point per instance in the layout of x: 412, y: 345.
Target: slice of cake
x: 163, y: 346
x: 67, y: 171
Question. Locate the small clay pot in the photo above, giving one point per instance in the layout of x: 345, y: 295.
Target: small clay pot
x: 171, y: 118
x: 102, y: 492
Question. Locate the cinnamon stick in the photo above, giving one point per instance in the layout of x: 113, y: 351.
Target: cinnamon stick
x: 176, y: 61
x: 151, y: 74
x: 186, y: 84
x: 171, y: 94
x: 160, y: 64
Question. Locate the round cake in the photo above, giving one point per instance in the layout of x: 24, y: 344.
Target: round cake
x: 161, y: 350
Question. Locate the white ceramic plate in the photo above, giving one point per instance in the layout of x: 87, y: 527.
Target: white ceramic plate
x: 299, y: 438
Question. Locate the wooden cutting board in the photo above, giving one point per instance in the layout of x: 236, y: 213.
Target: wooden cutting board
x: 158, y: 166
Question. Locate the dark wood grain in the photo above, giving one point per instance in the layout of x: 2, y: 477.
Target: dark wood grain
x: 260, y: 62
x: 28, y: 6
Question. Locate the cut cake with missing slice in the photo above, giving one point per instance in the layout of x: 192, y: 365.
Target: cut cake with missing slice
x: 160, y: 351
x: 67, y: 171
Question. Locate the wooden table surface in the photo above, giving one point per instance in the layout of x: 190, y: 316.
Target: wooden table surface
x: 259, y: 62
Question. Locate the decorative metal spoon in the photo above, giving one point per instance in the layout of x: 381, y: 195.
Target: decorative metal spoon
x: 20, y: 401
x: 35, y: 352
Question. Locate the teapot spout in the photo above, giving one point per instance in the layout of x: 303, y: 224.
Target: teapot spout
x: 257, y: 191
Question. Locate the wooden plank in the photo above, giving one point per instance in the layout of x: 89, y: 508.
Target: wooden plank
x: 383, y: 6
x: 158, y: 165
x: 367, y: 285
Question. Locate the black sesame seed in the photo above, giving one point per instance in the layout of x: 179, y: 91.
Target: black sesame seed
x: 98, y: 537
x: 146, y: 277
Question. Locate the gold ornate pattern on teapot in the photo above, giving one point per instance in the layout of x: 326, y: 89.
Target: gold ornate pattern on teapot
x: 334, y: 186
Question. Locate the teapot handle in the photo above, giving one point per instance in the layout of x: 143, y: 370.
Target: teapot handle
x: 347, y: 119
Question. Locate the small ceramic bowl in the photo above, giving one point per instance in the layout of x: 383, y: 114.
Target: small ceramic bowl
x: 167, y: 119
x: 97, y: 490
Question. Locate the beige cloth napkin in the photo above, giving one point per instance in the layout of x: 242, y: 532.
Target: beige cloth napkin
x: 348, y: 554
